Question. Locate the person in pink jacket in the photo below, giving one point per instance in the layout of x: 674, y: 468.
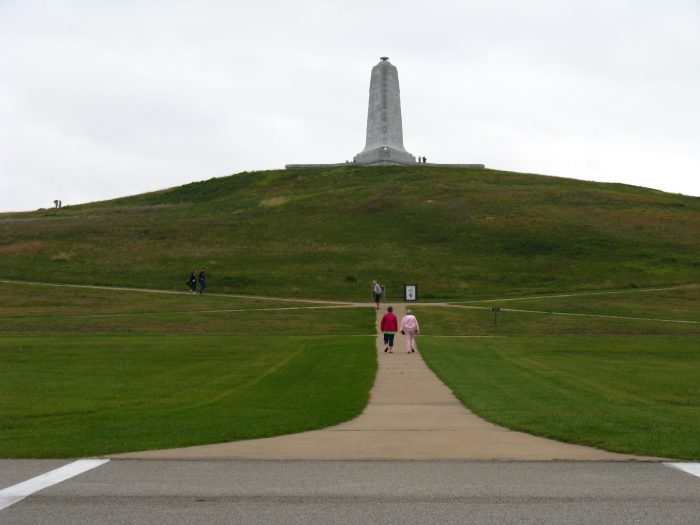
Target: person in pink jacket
x: 409, y: 327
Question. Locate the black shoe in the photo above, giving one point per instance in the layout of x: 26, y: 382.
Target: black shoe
x: 386, y: 349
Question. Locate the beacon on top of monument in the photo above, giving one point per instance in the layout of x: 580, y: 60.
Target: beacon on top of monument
x: 384, y: 143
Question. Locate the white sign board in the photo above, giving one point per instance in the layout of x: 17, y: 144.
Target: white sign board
x: 410, y: 292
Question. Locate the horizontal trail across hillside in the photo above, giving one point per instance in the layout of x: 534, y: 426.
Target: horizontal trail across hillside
x: 348, y: 304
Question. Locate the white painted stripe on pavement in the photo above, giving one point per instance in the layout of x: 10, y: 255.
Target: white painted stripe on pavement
x: 690, y: 468
x: 15, y: 493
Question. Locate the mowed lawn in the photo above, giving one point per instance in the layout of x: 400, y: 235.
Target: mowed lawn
x: 626, y: 385
x: 124, y: 371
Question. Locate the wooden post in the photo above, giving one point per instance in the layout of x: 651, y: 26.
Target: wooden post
x: 495, y: 311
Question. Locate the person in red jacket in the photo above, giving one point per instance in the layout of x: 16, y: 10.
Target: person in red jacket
x: 389, y: 325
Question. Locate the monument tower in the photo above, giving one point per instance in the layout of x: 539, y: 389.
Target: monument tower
x: 384, y: 143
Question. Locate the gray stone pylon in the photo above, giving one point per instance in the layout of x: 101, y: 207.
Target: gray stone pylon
x: 384, y: 143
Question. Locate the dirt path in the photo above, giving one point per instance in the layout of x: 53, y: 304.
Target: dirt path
x: 411, y: 415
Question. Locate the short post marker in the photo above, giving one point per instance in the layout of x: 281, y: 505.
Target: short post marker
x: 495, y: 311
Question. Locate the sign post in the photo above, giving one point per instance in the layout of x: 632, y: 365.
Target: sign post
x: 410, y: 292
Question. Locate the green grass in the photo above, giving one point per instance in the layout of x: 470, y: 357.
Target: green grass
x: 627, y: 394
x: 677, y: 303
x: 99, y: 371
x: 627, y: 385
x: 121, y: 379
x: 36, y: 309
x: 327, y: 233
x: 28, y: 300
x: 588, y: 315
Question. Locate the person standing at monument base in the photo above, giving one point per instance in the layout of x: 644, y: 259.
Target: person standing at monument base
x: 389, y: 325
x: 409, y: 328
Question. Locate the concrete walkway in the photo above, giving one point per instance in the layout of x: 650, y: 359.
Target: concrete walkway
x: 411, y: 415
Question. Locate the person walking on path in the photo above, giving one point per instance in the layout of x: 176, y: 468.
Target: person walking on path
x: 409, y: 328
x: 192, y: 282
x: 389, y: 325
x: 202, y: 280
x: 377, y: 292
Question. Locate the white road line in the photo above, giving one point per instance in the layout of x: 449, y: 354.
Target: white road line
x: 15, y: 493
x: 690, y: 468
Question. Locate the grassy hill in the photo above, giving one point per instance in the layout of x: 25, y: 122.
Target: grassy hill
x: 457, y: 233
x: 86, y: 371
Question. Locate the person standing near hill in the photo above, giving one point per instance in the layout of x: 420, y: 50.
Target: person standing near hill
x: 192, y: 282
x: 376, y: 292
x: 410, y: 328
x: 202, y: 280
x: 389, y: 325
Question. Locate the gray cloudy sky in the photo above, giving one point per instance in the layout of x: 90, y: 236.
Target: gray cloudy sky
x: 111, y: 98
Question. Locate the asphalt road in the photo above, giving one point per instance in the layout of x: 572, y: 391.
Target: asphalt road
x: 402, y: 492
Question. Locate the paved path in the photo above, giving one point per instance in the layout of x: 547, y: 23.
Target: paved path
x: 411, y: 415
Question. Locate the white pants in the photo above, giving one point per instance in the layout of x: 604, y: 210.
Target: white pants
x: 411, y: 341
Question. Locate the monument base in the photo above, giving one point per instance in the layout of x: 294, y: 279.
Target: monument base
x: 415, y: 164
x: 384, y: 155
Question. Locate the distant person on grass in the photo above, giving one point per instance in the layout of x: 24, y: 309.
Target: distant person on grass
x: 389, y: 325
x: 377, y: 290
x: 202, y: 280
x: 410, y: 328
x: 192, y: 282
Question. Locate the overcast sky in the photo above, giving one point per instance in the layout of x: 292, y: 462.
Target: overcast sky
x: 100, y: 99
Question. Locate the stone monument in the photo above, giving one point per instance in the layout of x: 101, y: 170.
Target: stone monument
x: 384, y: 143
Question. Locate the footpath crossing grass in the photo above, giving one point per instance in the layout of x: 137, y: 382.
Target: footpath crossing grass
x: 678, y: 303
x: 79, y: 384
x: 50, y: 300
x: 621, y: 385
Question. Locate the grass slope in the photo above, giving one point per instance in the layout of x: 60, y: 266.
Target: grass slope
x: 124, y: 371
x: 628, y: 385
x: 458, y: 233
x: 634, y: 394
